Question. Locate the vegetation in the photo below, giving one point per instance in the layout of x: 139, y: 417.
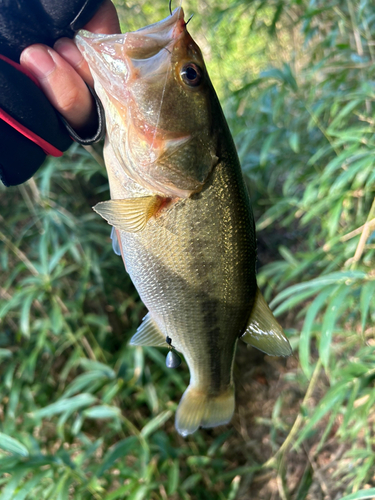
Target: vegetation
x: 84, y: 416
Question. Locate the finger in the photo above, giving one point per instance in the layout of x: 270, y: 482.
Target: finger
x: 67, y: 49
x: 62, y: 85
x: 105, y: 20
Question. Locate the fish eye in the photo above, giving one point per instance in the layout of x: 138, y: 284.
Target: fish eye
x: 191, y: 74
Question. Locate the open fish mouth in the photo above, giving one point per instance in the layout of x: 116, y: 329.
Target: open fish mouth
x: 155, y: 90
x: 138, y: 54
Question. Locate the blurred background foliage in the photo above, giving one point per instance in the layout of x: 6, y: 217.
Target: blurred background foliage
x: 84, y: 416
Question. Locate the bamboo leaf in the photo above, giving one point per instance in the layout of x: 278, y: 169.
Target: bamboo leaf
x: 334, y: 396
x: 11, y: 445
x: 120, y: 450
x: 173, y: 477
x: 66, y: 405
x: 5, y: 353
x: 367, y: 293
x: 156, y: 423
x: 102, y: 412
x: 294, y: 142
x: 266, y: 147
x: 9, y: 490
x: 304, y: 343
x: 360, y: 495
x: 318, y: 283
x: 347, y: 109
x: 85, y: 381
x: 120, y: 492
x: 28, y: 486
x: 329, y: 322
x: 25, y: 315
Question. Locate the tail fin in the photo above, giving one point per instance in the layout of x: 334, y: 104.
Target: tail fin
x: 199, y: 409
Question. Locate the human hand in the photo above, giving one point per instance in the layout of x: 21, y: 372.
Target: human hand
x: 62, y: 71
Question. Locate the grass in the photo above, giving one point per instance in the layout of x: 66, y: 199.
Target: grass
x: 84, y: 416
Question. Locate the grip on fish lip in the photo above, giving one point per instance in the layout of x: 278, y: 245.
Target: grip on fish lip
x: 100, y: 131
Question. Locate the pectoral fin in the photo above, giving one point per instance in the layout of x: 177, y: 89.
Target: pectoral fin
x: 148, y: 334
x: 264, y: 332
x: 129, y: 215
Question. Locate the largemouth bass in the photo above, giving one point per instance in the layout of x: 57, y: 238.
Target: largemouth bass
x: 181, y: 212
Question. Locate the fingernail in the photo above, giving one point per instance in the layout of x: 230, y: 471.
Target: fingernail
x: 38, y: 60
x: 68, y: 50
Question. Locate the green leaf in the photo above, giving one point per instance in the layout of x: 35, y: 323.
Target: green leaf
x: 348, y: 108
x: 360, y: 495
x: 294, y: 142
x: 120, y: 492
x: 291, y: 302
x: 66, y: 405
x: 43, y: 252
x: 8, y: 443
x: 304, y: 343
x: 191, y: 481
x: 89, y: 364
x: 333, y: 309
x: 57, y: 256
x: 102, y: 411
x: 218, y: 442
x: 85, y: 381
x: 156, y: 423
x: 334, y: 396
x: 25, y: 314
x: 317, y: 284
x: 305, y: 483
x: 173, y: 477
x: 28, y: 486
x: 9, y: 491
x: 119, y: 450
x: 266, y: 147
x: 57, y: 319
x: 5, y: 353
x: 367, y: 292
x: 140, y: 493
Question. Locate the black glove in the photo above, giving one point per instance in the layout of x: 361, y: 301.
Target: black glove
x: 30, y: 127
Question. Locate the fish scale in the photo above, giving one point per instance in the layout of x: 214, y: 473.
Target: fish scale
x: 214, y: 304
x: 181, y: 211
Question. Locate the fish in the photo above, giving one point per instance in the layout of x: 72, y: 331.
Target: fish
x: 180, y: 211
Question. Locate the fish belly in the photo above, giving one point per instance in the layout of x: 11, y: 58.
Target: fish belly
x: 194, y: 268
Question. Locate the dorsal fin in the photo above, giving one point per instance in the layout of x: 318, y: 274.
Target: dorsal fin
x: 129, y: 215
x: 148, y: 334
x: 264, y: 332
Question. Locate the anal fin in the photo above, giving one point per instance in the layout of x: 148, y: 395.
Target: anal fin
x: 148, y: 334
x: 264, y: 332
x: 131, y: 214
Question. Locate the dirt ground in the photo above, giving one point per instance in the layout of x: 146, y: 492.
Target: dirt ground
x: 262, y: 382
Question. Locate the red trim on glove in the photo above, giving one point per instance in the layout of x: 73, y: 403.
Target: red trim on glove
x: 46, y: 146
x: 20, y: 68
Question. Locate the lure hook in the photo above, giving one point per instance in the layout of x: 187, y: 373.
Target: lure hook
x: 170, y: 11
x: 173, y: 360
x: 188, y: 21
